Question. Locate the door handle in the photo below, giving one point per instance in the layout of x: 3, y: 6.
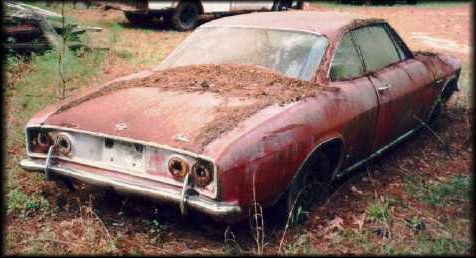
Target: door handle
x: 385, y: 87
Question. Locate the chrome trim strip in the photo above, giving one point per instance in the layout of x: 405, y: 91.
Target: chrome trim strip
x: 213, y: 194
x: 379, y: 151
x: 218, y: 210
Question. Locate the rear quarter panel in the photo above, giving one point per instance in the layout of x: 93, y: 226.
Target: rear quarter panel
x: 264, y: 160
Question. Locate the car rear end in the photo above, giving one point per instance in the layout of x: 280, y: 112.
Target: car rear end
x: 166, y: 174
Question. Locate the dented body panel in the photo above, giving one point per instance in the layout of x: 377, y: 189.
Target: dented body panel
x: 263, y: 151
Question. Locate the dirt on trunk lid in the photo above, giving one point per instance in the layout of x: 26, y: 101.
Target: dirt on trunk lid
x: 263, y: 86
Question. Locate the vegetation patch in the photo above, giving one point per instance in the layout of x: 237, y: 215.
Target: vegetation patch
x: 455, y: 190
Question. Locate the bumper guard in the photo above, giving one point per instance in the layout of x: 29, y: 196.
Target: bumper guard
x: 218, y: 210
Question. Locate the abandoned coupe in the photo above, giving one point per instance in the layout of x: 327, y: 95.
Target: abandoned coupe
x: 260, y: 108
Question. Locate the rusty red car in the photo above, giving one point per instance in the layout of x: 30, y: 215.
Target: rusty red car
x: 264, y: 108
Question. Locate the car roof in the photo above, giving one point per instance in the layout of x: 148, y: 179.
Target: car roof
x: 327, y: 23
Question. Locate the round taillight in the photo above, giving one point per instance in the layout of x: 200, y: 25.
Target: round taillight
x: 43, y: 142
x: 178, y: 167
x: 63, y: 143
x: 202, y: 174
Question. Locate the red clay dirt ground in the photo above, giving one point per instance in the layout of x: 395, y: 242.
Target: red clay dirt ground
x: 398, y: 185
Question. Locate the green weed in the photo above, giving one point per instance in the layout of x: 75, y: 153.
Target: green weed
x: 453, y: 191
x: 26, y: 205
x: 115, y: 30
x: 440, y: 245
x: 300, y: 245
x: 156, y: 230
x: 379, y: 211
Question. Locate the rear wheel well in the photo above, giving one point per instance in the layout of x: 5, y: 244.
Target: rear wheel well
x: 448, y: 91
x: 332, y: 149
x: 324, y: 158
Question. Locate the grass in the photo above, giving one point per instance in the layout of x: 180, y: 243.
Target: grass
x: 41, y: 84
x: 456, y: 190
x: 300, y: 246
x: 441, y: 4
x: 440, y: 229
x: 156, y: 230
x: 441, y: 245
x: 379, y: 211
x: 34, y: 83
x: 18, y: 201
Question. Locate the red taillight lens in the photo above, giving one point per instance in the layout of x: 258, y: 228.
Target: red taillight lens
x: 178, y: 167
x: 202, y: 173
x: 41, y: 143
x: 63, y: 144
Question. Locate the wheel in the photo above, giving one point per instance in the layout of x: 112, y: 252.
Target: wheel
x: 442, y: 99
x: 135, y: 18
x: 279, y: 6
x: 300, y: 5
x: 310, y: 187
x: 186, y: 16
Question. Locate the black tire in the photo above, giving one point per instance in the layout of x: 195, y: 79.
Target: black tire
x: 186, y: 16
x: 441, y: 101
x: 309, y: 188
x: 135, y: 18
x: 279, y: 5
x: 300, y: 5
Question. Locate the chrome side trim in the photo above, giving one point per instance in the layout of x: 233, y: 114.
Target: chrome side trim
x: 218, y: 210
x: 379, y: 151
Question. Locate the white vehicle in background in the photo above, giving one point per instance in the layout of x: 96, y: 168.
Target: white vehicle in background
x: 185, y: 14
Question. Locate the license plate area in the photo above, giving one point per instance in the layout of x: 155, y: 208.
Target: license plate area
x: 124, y: 155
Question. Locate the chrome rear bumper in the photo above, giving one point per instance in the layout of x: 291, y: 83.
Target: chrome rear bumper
x: 218, y: 210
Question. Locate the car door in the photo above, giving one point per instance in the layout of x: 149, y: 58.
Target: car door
x: 395, y: 88
x: 358, y: 95
x: 425, y: 86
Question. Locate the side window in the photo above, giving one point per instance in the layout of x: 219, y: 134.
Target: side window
x: 402, y: 48
x: 377, y: 48
x: 346, y: 63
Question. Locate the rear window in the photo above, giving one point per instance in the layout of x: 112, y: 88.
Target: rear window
x: 294, y: 54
